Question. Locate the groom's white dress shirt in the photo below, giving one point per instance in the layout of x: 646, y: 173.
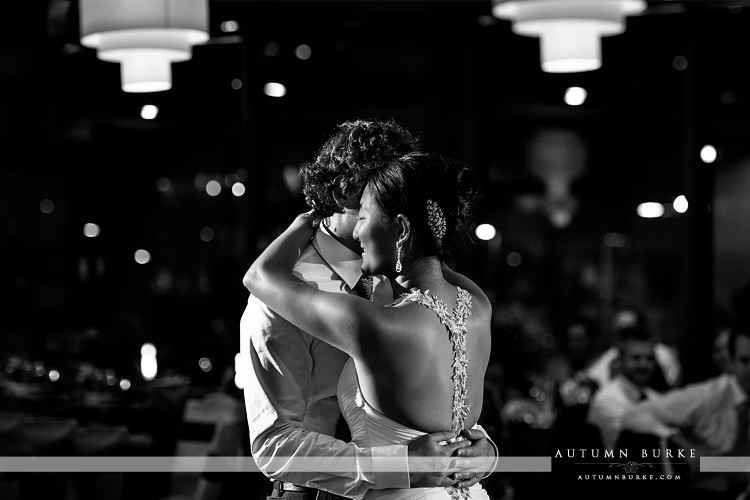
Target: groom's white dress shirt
x: 290, y: 389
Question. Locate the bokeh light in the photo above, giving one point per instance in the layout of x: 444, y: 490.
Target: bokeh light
x: 148, y: 350
x: 485, y: 232
x: 142, y: 256
x: 680, y: 204
x: 230, y: 26
x: 205, y: 364
x: 614, y: 240
x: 149, y: 112
x: 149, y: 368
x: 213, y: 188
x: 680, y: 63
x: 47, y: 206
x: 650, y: 210
x: 575, y: 96
x: 238, y: 189
x: 303, y: 52
x: 91, y: 230
x: 163, y: 184
x: 149, y: 364
x: 207, y: 234
x: 274, y: 89
x: 708, y: 154
x: 514, y: 259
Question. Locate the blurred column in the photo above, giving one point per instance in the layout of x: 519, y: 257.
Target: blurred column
x: 606, y: 291
x: 698, y: 181
x: 251, y: 209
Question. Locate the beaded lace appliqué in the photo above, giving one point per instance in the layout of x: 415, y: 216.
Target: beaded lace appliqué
x: 455, y: 322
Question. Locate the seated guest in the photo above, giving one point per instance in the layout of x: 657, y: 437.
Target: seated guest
x: 636, y: 358
x: 710, y: 417
x: 579, y: 344
x: 667, y: 371
x: 565, y: 366
x: 720, y: 350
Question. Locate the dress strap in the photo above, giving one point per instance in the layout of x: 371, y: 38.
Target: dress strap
x: 457, y: 330
x: 455, y: 323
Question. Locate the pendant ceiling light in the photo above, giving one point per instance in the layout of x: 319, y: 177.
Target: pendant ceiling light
x: 558, y: 157
x: 144, y: 36
x: 570, y: 31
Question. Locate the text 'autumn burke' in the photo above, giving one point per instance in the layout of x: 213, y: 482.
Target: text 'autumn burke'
x: 623, y: 453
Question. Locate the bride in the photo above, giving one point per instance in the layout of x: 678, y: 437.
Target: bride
x: 417, y: 365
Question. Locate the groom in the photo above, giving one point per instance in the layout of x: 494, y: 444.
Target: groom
x: 290, y: 392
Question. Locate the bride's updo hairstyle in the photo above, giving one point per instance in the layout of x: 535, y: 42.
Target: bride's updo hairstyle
x: 436, y: 194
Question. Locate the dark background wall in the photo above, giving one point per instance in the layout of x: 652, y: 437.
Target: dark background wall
x: 449, y: 72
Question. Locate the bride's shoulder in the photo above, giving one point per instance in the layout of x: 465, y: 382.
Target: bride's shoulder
x: 481, y: 311
x: 480, y: 302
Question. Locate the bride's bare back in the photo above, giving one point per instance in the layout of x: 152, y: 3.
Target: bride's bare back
x: 412, y: 378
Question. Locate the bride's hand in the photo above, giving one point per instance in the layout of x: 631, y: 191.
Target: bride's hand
x: 277, y: 260
x: 309, y: 219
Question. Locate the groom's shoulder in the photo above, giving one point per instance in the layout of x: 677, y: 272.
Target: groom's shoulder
x: 310, y: 265
x: 310, y: 255
x: 316, y: 271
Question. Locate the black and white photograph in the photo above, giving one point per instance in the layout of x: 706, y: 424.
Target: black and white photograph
x: 375, y: 249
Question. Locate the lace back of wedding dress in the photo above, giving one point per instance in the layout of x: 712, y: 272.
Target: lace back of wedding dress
x: 455, y: 322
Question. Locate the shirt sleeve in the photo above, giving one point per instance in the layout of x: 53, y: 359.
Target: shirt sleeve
x: 669, y: 361
x: 277, y: 391
x: 600, y: 370
x: 703, y: 409
x: 606, y: 413
x: 675, y: 408
x: 495, y: 461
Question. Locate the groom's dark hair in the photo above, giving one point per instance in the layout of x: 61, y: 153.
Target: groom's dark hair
x: 355, y: 147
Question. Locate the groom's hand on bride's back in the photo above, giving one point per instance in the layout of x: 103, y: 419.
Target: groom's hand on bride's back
x: 430, y: 458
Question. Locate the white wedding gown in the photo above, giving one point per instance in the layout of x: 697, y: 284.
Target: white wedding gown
x: 369, y: 427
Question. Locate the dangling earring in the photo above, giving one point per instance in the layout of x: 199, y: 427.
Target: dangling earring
x: 398, y: 256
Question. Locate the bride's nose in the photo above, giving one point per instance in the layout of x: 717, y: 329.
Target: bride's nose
x: 355, y: 233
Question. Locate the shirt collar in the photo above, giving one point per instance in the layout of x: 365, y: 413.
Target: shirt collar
x: 344, y: 262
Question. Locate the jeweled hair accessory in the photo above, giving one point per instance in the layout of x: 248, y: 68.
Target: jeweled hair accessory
x: 435, y: 219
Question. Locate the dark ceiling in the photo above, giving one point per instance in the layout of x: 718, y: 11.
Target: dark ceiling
x: 447, y: 69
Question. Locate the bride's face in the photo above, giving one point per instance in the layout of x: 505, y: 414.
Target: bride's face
x: 377, y: 235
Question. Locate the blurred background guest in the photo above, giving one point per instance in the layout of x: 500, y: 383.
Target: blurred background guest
x: 580, y: 338
x: 667, y: 370
x: 636, y: 360
x: 710, y: 417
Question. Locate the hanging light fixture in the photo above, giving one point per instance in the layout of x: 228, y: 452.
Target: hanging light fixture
x: 570, y: 31
x: 144, y: 36
x: 558, y: 157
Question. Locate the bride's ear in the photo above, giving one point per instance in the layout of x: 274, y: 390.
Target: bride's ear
x: 339, y: 192
x: 404, y: 230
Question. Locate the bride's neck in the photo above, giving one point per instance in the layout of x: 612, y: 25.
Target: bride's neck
x: 424, y: 274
